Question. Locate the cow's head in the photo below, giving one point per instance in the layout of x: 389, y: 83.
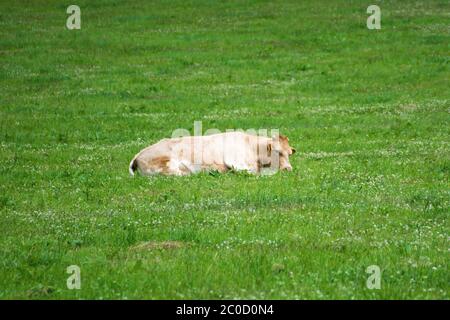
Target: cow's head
x: 280, y: 145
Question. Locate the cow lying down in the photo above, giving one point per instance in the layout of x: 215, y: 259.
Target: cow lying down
x: 221, y: 152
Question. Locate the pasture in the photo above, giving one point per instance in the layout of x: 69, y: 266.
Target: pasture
x: 367, y: 110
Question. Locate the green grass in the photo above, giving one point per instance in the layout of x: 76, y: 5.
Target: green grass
x: 367, y: 110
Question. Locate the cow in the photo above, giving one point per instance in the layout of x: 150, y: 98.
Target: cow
x: 217, y: 152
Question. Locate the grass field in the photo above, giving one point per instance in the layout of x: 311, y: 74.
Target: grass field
x: 367, y: 110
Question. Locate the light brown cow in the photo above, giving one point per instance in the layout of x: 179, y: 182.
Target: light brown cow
x: 221, y: 152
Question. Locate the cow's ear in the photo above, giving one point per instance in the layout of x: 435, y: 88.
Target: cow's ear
x: 293, y: 150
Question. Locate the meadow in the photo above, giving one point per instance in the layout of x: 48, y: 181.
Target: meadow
x: 367, y: 110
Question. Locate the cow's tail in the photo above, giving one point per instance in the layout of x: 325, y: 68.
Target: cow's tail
x: 133, y: 166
